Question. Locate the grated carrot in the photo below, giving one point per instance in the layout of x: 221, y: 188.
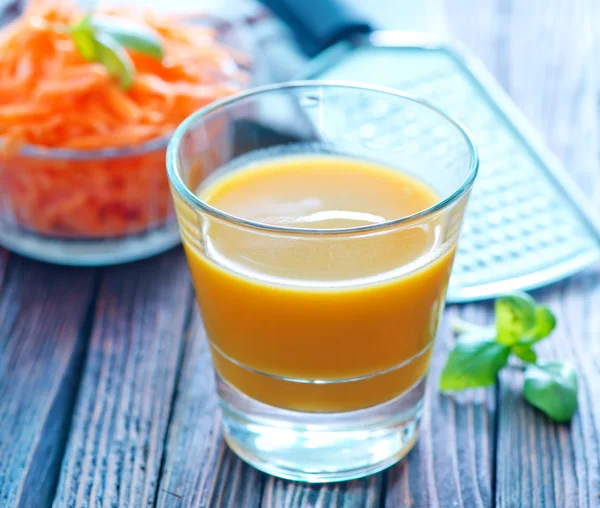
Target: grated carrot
x: 51, y: 97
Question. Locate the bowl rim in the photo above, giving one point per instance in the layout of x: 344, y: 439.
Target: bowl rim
x: 115, y: 152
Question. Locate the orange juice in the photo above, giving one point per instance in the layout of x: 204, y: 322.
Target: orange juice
x: 320, y: 318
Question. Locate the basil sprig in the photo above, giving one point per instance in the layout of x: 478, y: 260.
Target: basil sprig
x: 481, y: 352
x: 104, y: 39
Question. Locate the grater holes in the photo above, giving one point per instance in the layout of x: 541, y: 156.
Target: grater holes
x: 543, y: 221
x: 528, y: 229
x: 493, y: 202
x: 516, y: 221
x: 479, y: 244
x: 495, y: 218
x: 480, y: 264
x: 563, y: 234
x: 497, y: 235
x: 524, y: 207
x: 466, y: 268
x: 496, y: 258
x: 531, y: 245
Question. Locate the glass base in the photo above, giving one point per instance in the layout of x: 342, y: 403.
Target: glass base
x: 84, y: 252
x: 320, y: 447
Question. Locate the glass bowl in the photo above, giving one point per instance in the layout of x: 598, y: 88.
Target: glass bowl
x: 87, y: 207
x: 101, y: 207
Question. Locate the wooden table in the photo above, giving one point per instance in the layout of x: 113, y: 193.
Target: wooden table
x: 106, y: 389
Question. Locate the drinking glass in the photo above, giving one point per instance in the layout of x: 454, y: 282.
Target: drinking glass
x: 321, y: 370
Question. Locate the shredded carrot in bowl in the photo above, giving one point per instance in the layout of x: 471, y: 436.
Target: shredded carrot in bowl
x: 79, y: 155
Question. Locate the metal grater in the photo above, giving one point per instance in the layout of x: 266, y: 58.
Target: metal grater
x: 527, y: 224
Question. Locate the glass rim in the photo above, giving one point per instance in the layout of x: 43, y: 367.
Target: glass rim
x: 191, y: 199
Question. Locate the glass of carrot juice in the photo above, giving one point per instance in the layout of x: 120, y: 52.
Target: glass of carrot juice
x: 320, y: 221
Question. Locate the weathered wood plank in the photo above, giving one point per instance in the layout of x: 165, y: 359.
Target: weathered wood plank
x: 199, y: 470
x: 541, y: 463
x: 41, y: 354
x: 3, y: 264
x: 116, y: 441
x: 543, y: 54
x: 451, y: 464
x: 363, y: 493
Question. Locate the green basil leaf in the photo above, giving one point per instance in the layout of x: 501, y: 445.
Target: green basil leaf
x: 474, y: 361
x: 524, y: 352
x: 515, y: 316
x: 83, y: 37
x: 114, y: 57
x: 544, y: 324
x: 552, y: 388
x: 131, y: 34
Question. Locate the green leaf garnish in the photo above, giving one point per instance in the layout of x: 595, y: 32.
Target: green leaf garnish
x: 83, y: 37
x: 474, y: 361
x: 85, y: 43
x: 544, y: 324
x: 515, y: 316
x: 103, y: 39
x: 524, y: 352
x: 481, y: 352
x: 552, y: 388
x: 131, y: 34
x: 116, y: 60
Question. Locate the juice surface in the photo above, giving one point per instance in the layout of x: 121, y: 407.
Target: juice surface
x: 327, y: 307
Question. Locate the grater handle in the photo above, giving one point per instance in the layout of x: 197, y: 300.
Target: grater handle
x: 319, y: 24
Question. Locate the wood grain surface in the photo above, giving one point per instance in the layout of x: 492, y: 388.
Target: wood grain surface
x: 545, y: 55
x: 119, y: 426
x: 42, y: 345
x: 452, y: 463
x: 199, y: 470
x: 106, y: 389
